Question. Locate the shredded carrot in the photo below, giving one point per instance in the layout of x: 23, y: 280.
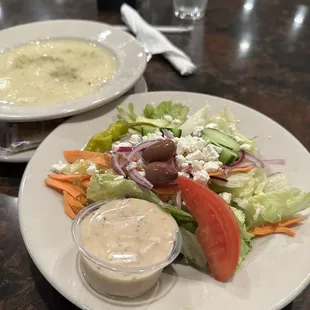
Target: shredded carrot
x: 69, y: 177
x: 85, y: 183
x: 164, y: 197
x: 68, y: 209
x: 98, y: 158
x: 74, y: 190
x: 82, y: 199
x: 267, y: 230
x: 75, y: 205
x: 85, y: 178
x: 292, y: 221
x: 280, y: 227
x: 167, y: 190
x: 222, y: 173
x: 243, y: 169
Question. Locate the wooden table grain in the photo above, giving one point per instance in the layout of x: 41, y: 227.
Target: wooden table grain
x: 256, y: 52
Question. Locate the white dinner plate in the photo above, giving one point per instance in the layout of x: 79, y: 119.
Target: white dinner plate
x: 130, y: 56
x: 274, y: 273
x: 23, y: 157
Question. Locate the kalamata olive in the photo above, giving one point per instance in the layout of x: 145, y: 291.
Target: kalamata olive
x: 160, y: 151
x: 159, y: 172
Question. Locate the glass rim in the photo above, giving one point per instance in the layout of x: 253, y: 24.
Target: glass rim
x: 113, y: 267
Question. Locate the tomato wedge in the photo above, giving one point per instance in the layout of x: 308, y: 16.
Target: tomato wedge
x: 218, y: 232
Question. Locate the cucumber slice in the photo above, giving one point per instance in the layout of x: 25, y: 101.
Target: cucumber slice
x: 145, y: 130
x: 227, y: 156
x: 221, y: 139
x: 175, y: 131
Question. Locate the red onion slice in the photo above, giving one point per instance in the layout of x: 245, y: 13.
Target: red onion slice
x: 188, y: 168
x: 254, y: 159
x: 273, y: 174
x: 116, y: 166
x: 168, y: 134
x: 141, y: 146
x: 218, y: 178
x: 239, y: 160
x: 139, y: 179
x: 124, y: 149
x: 274, y: 162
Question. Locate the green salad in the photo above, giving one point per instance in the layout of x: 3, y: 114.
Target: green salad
x: 198, y: 168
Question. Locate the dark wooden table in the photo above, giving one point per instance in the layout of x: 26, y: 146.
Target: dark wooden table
x: 253, y: 52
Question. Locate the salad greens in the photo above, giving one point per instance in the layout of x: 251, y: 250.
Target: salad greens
x: 246, y: 237
x: 166, y: 114
x: 192, y: 250
x: 110, y: 186
x: 256, y: 198
x: 264, y: 199
x: 175, y: 110
x: 273, y: 207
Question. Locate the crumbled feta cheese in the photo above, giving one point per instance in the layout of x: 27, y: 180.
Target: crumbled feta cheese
x: 201, y: 177
x: 120, y: 177
x: 157, y: 135
x: 217, y: 148
x: 245, y: 147
x: 181, y: 159
x: 238, y: 139
x: 195, y: 152
x: 212, y: 166
x: 226, y: 196
x: 210, y: 152
x: 92, y: 169
x: 197, y: 155
x: 131, y: 166
x: 59, y: 167
x: 198, y: 131
x: 117, y: 145
x: 189, y: 144
x: 82, y: 161
x: 168, y: 118
x: 183, y: 174
x: 177, y: 121
x: 212, y: 126
x: 197, y: 165
x: 135, y: 139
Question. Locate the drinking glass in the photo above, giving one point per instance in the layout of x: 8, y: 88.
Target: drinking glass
x: 190, y: 9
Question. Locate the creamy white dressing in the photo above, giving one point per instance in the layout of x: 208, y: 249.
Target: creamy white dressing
x: 53, y: 71
x: 126, y: 233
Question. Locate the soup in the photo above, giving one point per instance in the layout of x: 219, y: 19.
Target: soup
x: 49, y: 72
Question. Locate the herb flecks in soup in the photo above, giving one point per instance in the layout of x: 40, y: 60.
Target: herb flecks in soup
x: 49, y: 72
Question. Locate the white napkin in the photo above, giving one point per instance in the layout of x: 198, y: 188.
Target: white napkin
x: 155, y: 42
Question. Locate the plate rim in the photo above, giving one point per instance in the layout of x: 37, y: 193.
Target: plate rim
x: 67, y: 108
x: 279, y: 305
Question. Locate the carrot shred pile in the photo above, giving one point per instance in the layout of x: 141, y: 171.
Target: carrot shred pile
x: 280, y: 227
x: 222, y: 172
x: 103, y: 159
x: 74, y: 196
